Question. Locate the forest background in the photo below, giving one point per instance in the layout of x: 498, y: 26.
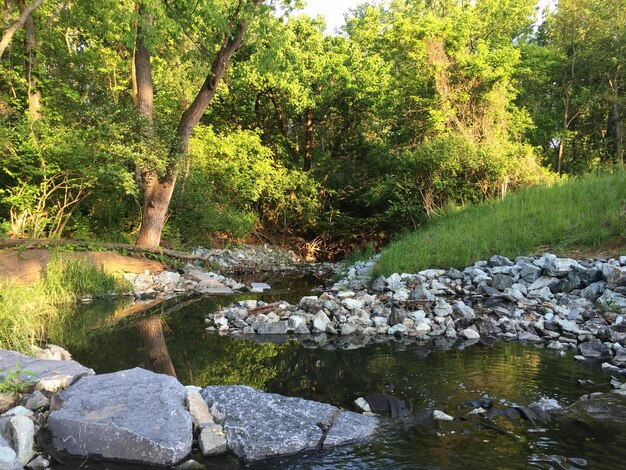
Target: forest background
x: 197, y: 122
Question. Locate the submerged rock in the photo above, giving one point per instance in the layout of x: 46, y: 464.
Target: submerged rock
x: 133, y: 416
x: 259, y: 425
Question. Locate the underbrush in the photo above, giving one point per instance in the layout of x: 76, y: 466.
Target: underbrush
x: 27, y: 311
x: 575, y: 215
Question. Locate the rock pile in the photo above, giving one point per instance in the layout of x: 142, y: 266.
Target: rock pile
x: 560, y: 302
x: 246, y: 257
x: 23, y: 413
x: 191, y: 280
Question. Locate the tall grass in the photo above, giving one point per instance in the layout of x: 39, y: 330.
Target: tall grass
x: 27, y: 311
x: 579, y: 214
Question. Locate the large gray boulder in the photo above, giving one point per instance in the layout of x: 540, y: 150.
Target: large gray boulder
x: 41, y: 368
x: 133, y: 415
x: 259, y: 425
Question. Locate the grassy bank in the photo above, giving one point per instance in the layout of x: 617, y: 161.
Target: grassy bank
x: 27, y: 311
x: 582, y: 215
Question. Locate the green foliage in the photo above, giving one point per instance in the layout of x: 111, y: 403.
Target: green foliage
x: 13, y: 381
x: 234, y: 182
x: 338, y: 138
x: 583, y: 213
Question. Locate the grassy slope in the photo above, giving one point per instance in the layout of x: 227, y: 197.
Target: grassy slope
x: 579, y: 215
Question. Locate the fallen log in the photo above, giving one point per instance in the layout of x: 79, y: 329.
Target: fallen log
x: 38, y: 243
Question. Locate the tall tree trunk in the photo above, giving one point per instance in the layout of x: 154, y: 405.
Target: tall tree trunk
x: 158, y: 191
x: 618, y: 124
x: 308, y: 140
x: 30, y: 52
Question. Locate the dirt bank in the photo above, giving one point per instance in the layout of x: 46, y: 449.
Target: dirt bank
x: 26, y: 266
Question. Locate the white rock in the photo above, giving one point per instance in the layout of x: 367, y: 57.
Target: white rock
x: 441, y: 416
x: 198, y: 409
x: 212, y: 441
x: 363, y: 404
x: 401, y: 295
x: 345, y: 294
x: 260, y: 286
x: 469, y: 333
x: 399, y: 328
x: 8, y: 458
x: 417, y: 315
x: 352, y: 304
x: 321, y: 321
x: 23, y: 431
x: 432, y: 273
x: 442, y: 308
x: 394, y: 281
x: 422, y: 326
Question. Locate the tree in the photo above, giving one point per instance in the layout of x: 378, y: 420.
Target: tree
x: 158, y: 188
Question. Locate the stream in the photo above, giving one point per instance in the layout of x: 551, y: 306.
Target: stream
x: 170, y: 337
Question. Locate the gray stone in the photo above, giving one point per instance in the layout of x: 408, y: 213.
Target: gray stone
x: 41, y: 368
x: 612, y: 301
x: 212, y: 442
x: 488, y: 327
x: 273, y: 328
x: 595, y: 349
x: 497, y: 260
x: 501, y: 281
x: 422, y: 293
x: 593, y: 291
x: 566, y: 284
x: 37, y: 401
x: 465, y: 311
x: 470, y: 333
x: 542, y: 282
x: 23, y: 432
x: 379, y: 284
x: 38, y: 463
x: 568, y: 326
x: 442, y: 308
x: 259, y: 425
x: 8, y: 457
x: 347, y: 329
x: 454, y: 274
x: 530, y: 272
x: 526, y: 336
x: 559, y: 267
x: 615, y: 276
x: 133, y: 416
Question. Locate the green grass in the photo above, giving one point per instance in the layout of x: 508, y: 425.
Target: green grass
x: 577, y: 215
x: 26, y: 312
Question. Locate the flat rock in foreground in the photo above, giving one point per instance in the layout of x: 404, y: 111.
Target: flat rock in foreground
x: 133, y: 415
x: 41, y: 368
x: 259, y: 425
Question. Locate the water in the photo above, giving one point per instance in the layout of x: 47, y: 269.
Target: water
x: 172, y: 338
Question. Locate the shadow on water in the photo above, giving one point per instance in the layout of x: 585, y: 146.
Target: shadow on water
x: 171, y: 338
